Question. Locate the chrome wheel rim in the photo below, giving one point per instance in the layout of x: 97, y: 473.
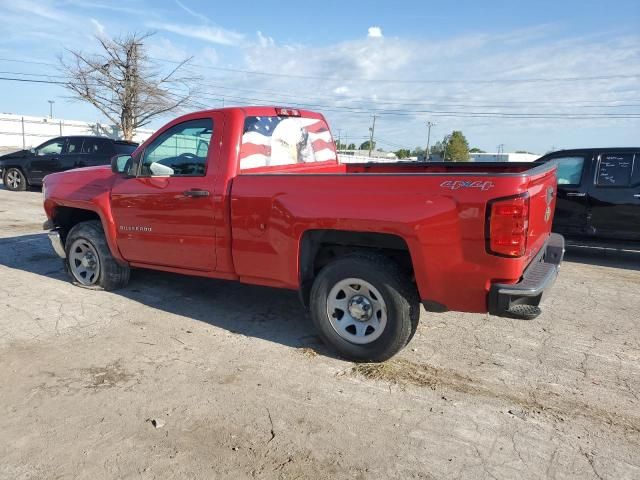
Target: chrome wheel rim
x: 84, y: 262
x: 356, y: 311
x: 13, y: 179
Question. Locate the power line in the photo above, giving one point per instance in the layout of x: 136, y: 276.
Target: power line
x: 397, y: 102
x: 382, y: 80
x: 405, y: 112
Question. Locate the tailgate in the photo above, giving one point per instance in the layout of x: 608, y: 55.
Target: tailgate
x: 542, y: 202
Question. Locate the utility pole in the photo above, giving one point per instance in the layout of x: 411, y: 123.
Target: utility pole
x: 500, y: 152
x: 371, y: 132
x: 51, y: 102
x: 429, y: 125
x: 338, y: 146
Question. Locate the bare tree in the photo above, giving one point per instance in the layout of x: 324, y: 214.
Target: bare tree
x: 122, y: 83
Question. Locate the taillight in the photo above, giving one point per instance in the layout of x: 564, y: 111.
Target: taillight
x: 508, y: 226
x: 287, y: 112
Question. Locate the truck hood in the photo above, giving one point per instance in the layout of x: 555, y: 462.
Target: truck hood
x: 81, y: 176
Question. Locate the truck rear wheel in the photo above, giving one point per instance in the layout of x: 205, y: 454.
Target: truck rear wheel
x: 89, y: 260
x: 14, y: 180
x: 365, y: 307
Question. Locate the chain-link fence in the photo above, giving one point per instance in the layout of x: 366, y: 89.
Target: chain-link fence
x: 22, y: 132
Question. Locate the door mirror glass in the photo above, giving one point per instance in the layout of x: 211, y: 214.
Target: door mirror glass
x: 32, y: 150
x: 121, y: 163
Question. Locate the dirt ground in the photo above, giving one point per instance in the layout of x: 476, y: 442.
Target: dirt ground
x: 177, y: 377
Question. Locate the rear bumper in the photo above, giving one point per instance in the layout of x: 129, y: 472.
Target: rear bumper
x: 521, y: 300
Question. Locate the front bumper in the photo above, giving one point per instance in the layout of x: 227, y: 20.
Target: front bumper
x: 55, y: 239
x: 522, y: 299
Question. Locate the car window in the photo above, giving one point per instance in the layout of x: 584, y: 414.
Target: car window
x: 123, y: 148
x: 569, y: 169
x: 74, y: 145
x: 54, y: 147
x: 180, y: 151
x: 614, y: 170
x: 285, y: 141
x: 97, y: 146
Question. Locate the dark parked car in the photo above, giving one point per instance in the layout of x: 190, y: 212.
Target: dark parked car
x: 598, y: 193
x: 28, y: 167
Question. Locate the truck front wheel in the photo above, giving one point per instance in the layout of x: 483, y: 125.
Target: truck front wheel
x: 365, y: 307
x: 89, y: 260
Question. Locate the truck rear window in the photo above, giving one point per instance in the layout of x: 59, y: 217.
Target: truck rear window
x: 270, y: 141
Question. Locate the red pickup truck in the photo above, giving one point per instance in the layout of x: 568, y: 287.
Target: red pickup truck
x: 257, y: 195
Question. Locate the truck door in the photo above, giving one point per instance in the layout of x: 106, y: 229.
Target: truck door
x: 614, y: 196
x: 166, y: 214
x: 571, y: 213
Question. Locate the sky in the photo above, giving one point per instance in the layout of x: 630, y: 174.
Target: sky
x: 535, y: 75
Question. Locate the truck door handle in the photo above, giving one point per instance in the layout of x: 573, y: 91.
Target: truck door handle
x: 576, y: 194
x: 194, y: 192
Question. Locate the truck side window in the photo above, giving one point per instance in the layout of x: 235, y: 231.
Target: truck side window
x: 569, y: 170
x: 614, y: 170
x: 179, y: 151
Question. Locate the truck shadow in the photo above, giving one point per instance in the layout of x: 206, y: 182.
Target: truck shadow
x: 271, y: 314
x: 603, y: 257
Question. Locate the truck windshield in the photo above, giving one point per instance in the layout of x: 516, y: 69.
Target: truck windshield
x: 285, y: 141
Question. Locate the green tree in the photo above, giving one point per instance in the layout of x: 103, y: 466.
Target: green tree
x: 525, y: 151
x: 403, y: 153
x: 476, y: 150
x: 365, y: 145
x: 352, y: 146
x: 437, y: 149
x: 457, y: 147
x: 416, y: 152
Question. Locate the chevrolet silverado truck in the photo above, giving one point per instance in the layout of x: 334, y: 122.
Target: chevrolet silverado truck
x: 257, y: 195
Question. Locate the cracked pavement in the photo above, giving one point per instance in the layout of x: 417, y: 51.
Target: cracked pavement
x: 179, y: 377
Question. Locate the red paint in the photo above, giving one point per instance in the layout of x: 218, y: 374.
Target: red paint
x: 251, y: 225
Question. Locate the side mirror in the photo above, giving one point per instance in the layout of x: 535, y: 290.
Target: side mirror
x: 121, y: 163
x: 32, y: 150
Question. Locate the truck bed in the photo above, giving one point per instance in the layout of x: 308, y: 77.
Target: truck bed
x: 450, y: 168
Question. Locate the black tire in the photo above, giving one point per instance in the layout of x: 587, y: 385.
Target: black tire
x: 14, y: 180
x: 111, y: 274
x: 399, y: 295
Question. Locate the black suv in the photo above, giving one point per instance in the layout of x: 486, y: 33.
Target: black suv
x: 598, y: 194
x: 29, y: 167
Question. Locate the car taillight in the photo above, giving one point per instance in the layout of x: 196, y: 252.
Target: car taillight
x: 508, y: 226
x: 287, y: 112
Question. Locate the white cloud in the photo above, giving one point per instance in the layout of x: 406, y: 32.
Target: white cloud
x: 165, y: 49
x: 208, y: 56
x: 191, y: 12
x: 341, y: 90
x: 374, y: 32
x: 99, y: 27
x: 207, y: 33
x: 265, y: 41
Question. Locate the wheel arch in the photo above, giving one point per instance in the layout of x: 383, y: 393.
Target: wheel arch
x: 64, y: 218
x: 319, y: 247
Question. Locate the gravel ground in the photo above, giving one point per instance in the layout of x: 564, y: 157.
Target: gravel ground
x: 178, y: 377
